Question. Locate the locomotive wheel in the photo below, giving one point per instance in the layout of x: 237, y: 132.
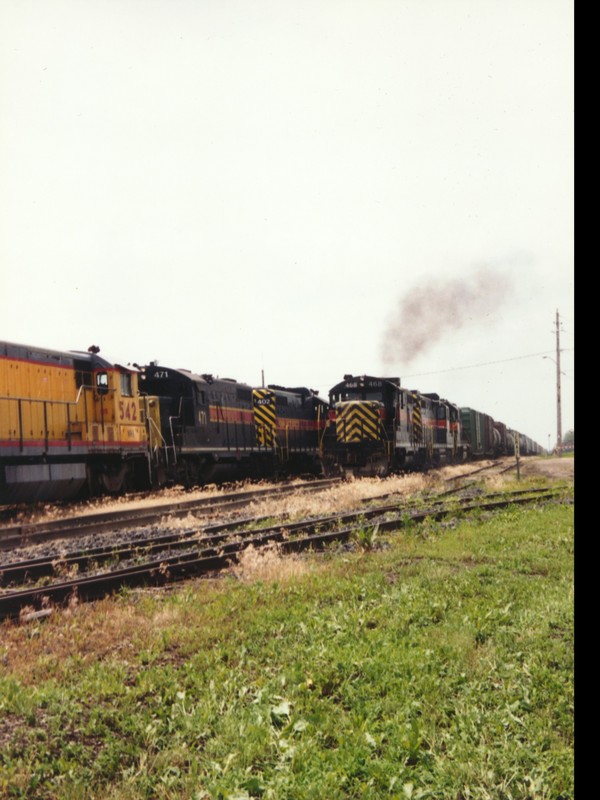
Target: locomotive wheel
x: 377, y: 467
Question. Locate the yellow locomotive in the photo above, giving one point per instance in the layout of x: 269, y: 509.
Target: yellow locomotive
x: 68, y: 420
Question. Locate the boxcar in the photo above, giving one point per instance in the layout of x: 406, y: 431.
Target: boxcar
x: 478, y: 433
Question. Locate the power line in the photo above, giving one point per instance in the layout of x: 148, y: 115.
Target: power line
x: 484, y: 364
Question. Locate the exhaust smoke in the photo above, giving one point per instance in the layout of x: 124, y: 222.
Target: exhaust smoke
x: 427, y: 313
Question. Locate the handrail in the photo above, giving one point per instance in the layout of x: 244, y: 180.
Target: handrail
x: 67, y: 404
x: 157, y: 430
x: 172, y: 439
x: 42, y: 400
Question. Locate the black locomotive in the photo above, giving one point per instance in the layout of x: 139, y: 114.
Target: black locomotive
x: 379, y: 427
x: 204, y: 428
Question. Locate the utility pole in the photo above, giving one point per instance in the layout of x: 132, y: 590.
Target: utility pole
x: 558, y: 406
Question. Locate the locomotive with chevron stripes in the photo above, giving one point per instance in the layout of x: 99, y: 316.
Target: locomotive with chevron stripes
x: 204, y: 428
x: 379, y: 427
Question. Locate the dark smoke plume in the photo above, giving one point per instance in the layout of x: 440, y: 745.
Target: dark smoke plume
x: 432, y: 311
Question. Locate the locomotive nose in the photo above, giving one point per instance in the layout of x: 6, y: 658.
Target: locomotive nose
x: 357, y: 420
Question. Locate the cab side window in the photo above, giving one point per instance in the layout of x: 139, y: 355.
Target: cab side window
x: 126, y: 389
x: 102, y: 382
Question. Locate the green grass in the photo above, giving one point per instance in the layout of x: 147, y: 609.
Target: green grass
x: 434, y: 663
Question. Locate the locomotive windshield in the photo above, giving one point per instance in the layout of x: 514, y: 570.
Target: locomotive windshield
x: 356, y: 394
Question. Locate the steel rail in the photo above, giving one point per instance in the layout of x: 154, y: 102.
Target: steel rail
x: 35, y: 568
x: 21, y: 571
x: 214, y: 558
x: 29, y: 533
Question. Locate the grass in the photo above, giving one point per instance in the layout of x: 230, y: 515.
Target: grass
x: 434, y: 663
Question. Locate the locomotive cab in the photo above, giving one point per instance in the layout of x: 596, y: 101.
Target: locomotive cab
x: 206, y: 425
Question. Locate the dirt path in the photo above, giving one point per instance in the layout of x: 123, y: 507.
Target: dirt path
x: 561, y: 468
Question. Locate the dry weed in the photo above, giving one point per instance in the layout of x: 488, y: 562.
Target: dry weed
x: 50, y: 512
x: 341, y: 497
x: 169, y: 615
x: 189, y: 522
x: 269, y: 565
x: 456, y: 470
x: 496, y: 483
x: 95, y: 631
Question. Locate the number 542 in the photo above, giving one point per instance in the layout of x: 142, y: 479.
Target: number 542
x: 128, y: 410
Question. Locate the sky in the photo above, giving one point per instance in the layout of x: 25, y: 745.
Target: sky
x: 299, y: 190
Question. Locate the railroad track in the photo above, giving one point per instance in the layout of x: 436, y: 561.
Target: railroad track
x: 459, y: 482
x: 170, y: 557
x: 22, y: 535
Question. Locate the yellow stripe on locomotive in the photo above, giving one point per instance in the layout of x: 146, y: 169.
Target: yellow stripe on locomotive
x: 263, y: 403
x: 417, y: 420
x: 357, y: 420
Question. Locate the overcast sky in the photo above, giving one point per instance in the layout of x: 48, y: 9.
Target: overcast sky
x: 306, y: 188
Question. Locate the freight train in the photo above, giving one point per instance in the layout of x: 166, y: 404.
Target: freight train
x: 74, y: 424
